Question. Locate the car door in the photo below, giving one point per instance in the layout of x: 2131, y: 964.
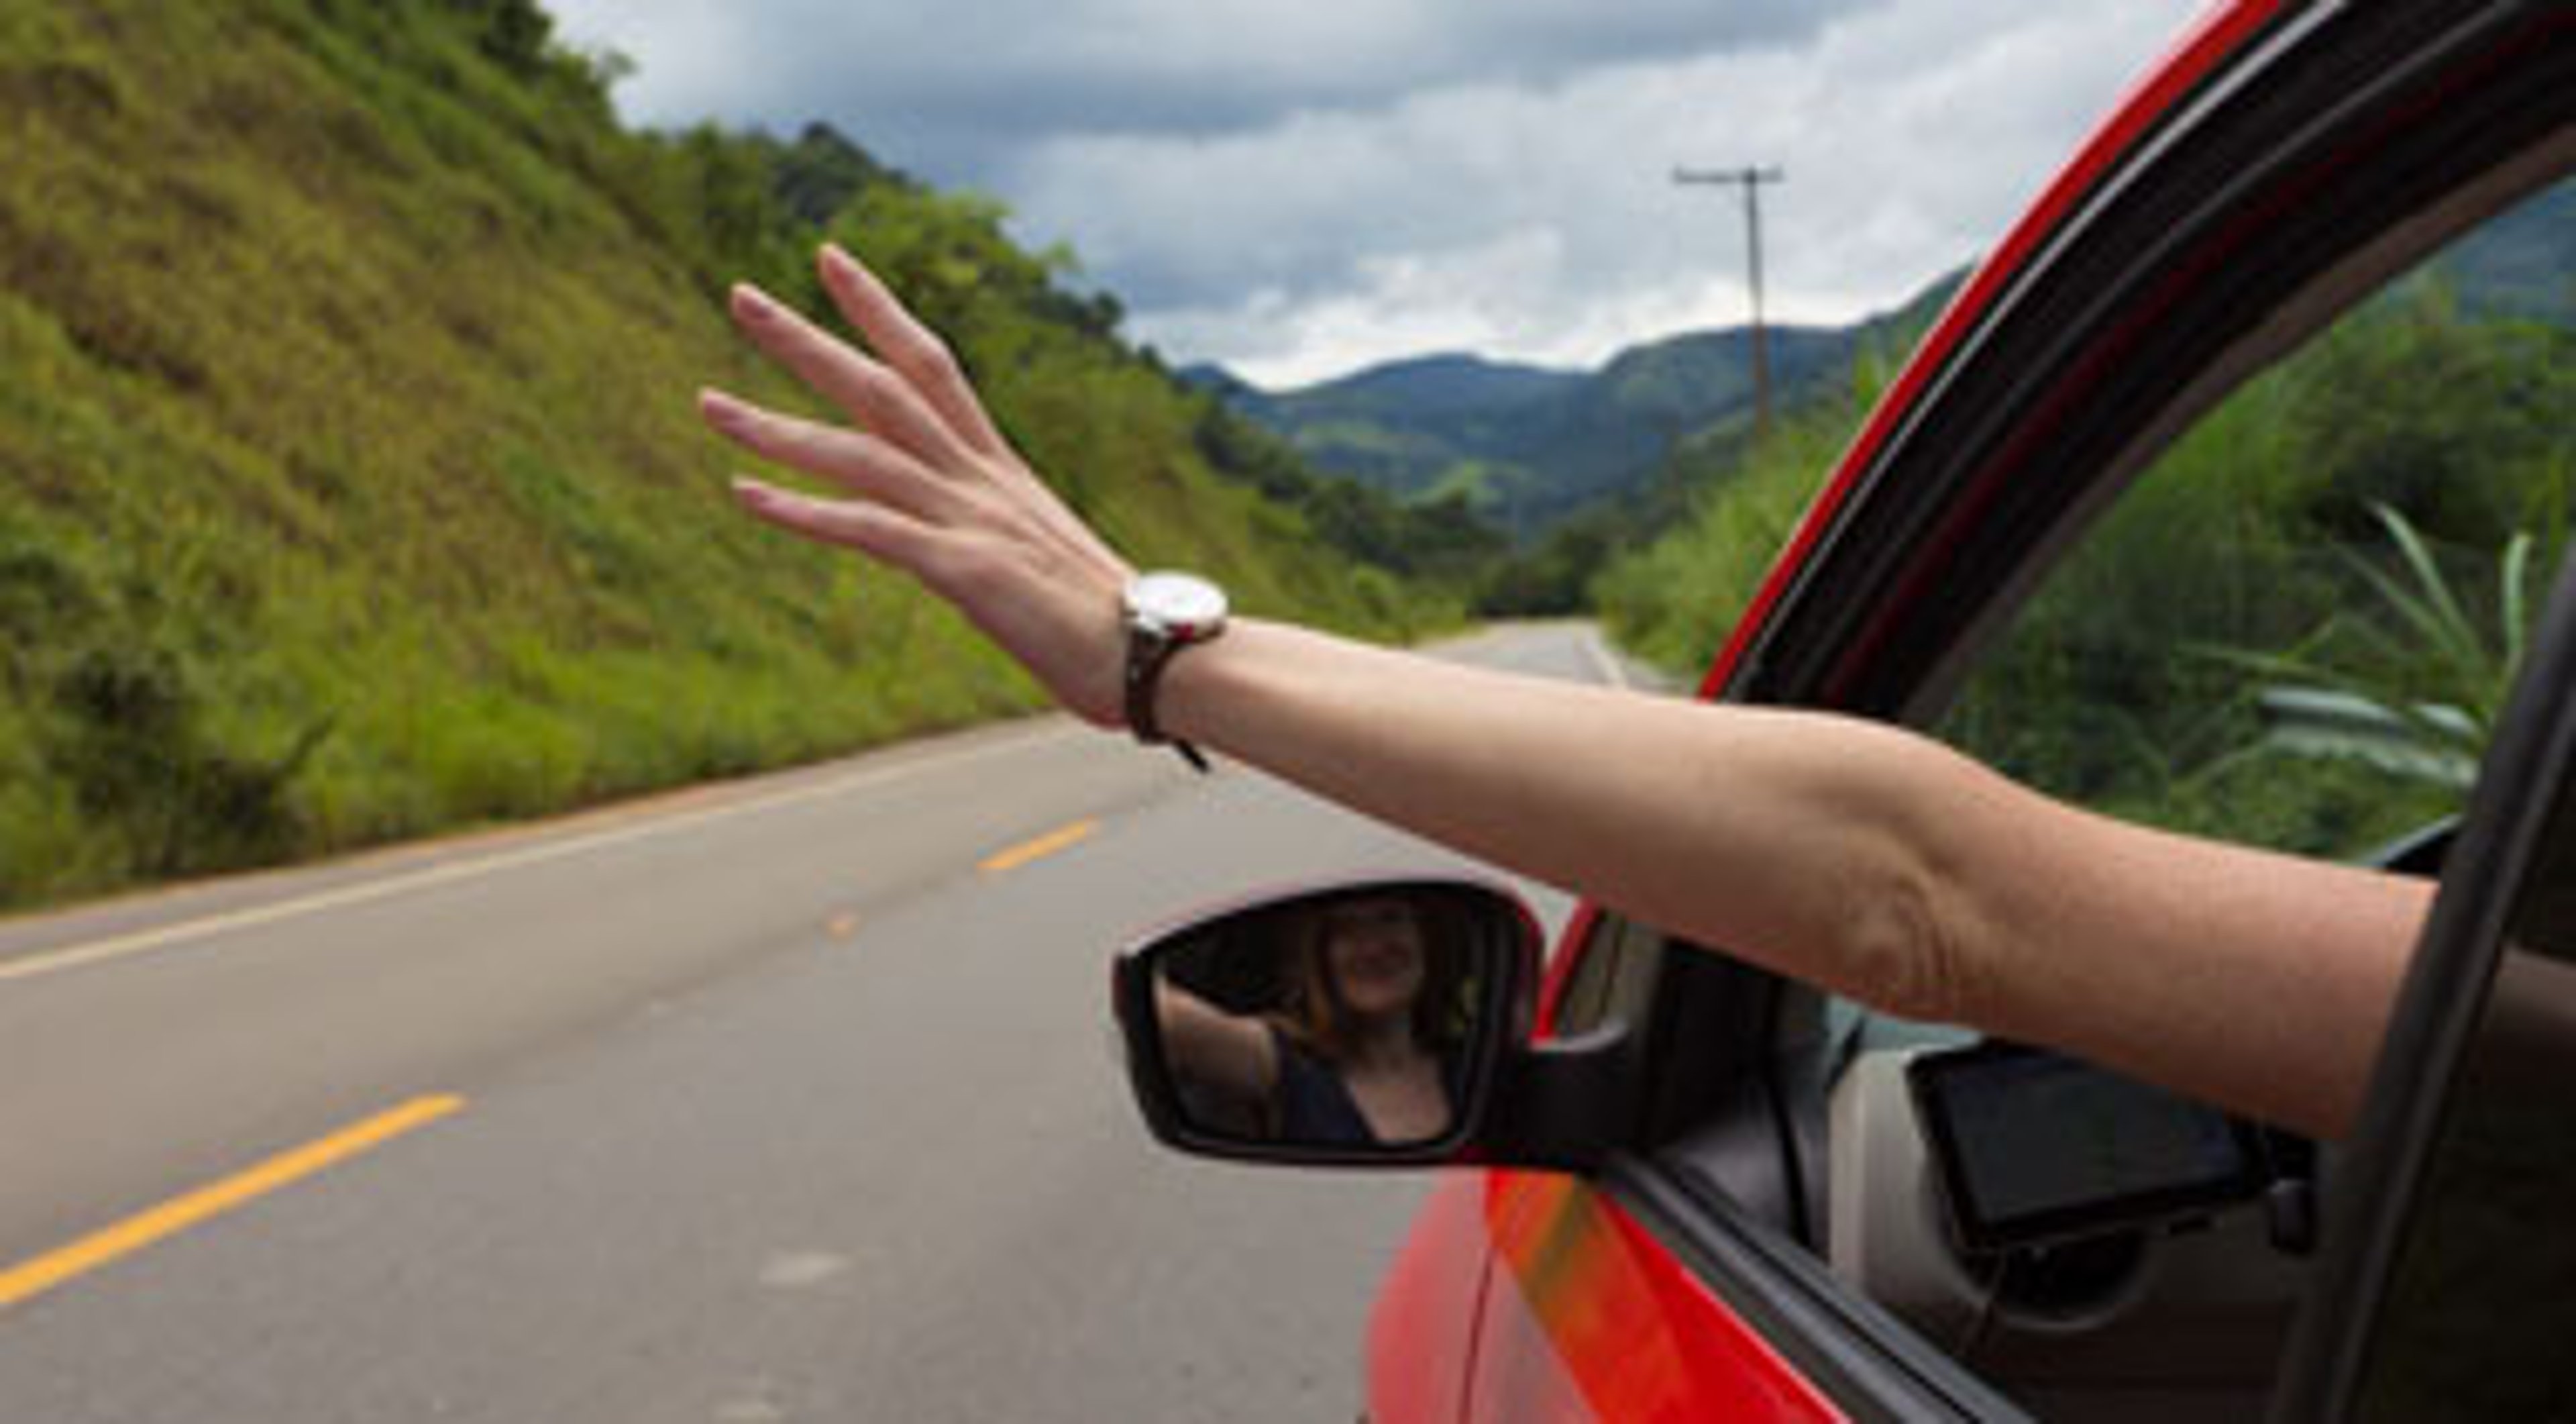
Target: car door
x: 2286, y: 162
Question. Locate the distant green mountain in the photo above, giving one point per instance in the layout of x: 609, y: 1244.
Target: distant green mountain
x: 1532, y: 447
x: 1420, y: 428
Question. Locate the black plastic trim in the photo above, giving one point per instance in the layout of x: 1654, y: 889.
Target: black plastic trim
x: 1565, y: 1104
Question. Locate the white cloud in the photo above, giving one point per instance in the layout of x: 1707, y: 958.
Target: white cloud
x: 1299, y: 188
x: 953, y: 89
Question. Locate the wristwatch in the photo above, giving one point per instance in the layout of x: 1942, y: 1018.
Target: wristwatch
x: 1165, y: 612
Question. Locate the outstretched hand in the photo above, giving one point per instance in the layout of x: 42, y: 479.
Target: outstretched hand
x: 930, y: 487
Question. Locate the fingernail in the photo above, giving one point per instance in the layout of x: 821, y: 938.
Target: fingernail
x: 720, y: 409
x: 752, y: 302
x: 838, y: 262
x: 753, y: 492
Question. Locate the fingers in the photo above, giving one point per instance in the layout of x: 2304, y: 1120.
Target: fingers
x: 913, y: 350
x: 854, y: 460
x: 874, y: 530
x: 882, y: 399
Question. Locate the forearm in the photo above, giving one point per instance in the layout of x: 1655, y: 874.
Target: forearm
x: 1784, y: 837
x: 1856, y: 856
x: 1211, y: 1046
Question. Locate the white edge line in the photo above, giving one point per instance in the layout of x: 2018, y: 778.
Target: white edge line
x: 162, y: 937
x: 1602, y: 662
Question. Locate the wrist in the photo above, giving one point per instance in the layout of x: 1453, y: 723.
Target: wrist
x: 1216, y: 695
x: 1165, y: 615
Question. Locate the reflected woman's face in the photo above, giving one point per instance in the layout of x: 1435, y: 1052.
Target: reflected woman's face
x: 1374, y: 949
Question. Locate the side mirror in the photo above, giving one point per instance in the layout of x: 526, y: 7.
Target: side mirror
x: 1375, y: 1022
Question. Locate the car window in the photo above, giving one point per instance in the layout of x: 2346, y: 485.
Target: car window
x: 2297, y: 630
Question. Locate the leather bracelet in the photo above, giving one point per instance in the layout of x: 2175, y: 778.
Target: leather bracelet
x: 1145, y: 664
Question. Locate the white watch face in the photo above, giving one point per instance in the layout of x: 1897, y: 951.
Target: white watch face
x: 1183, y: 605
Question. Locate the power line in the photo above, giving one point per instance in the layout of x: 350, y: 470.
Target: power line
x: 1750, y: 179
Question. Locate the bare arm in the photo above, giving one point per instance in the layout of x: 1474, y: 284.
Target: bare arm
x: 1228, y: 1052
x: 1856, y: 856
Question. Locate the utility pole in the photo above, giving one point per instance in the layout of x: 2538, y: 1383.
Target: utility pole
x: 1751, y: 180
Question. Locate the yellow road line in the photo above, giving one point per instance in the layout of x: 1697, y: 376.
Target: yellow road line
x: 1044, y: 845
x: 33, y: 1278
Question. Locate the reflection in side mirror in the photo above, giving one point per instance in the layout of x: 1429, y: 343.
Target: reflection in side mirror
x: 1358, y: 1023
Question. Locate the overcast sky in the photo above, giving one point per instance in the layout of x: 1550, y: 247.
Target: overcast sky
x: 1301, y: 187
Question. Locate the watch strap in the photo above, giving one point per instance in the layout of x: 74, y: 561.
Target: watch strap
x: 1148, y: 652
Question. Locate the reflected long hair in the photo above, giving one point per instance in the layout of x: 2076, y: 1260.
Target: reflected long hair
x: 1312, y: 1012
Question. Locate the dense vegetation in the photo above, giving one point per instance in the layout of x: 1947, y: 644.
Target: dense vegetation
x: 2362, y: 532
x: 352, y: 487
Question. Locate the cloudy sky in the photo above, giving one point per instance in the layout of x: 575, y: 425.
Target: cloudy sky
x: 1301, y: 187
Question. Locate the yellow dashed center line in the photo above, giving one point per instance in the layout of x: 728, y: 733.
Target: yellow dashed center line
x: 1039, y: 848
x: 33, y: 1278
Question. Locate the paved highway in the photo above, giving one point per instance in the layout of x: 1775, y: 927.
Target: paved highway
x: 788, y: 1099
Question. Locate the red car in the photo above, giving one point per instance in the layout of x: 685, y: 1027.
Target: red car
x: 1697, y: 1190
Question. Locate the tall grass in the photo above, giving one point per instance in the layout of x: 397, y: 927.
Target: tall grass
x: 349, y: 483
x: 1674, y: 601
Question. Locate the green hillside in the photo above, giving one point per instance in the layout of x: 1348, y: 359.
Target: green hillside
x: 350, y: 485
x: 2444, y: 402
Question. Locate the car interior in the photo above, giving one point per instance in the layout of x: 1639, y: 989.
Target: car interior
x: 2166, y: 1242
x: 2120, y: 1254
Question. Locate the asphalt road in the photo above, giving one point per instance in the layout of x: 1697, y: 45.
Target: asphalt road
x: 791, y: 1099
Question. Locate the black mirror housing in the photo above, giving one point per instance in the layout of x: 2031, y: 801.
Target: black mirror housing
x: 1379, y: 1022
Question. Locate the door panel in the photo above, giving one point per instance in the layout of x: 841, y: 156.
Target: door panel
x: 1590, y: 1317
x: 1422, y: 1333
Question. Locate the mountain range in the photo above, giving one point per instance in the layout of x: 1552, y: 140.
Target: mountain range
x: 1531, y: 447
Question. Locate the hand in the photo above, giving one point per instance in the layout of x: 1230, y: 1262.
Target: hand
x: 934, y: 489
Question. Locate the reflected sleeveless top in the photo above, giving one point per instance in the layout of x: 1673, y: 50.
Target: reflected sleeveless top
x: 1313, y: 1104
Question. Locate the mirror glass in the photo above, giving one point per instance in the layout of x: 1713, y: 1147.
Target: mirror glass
x: 1354, y: 1018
